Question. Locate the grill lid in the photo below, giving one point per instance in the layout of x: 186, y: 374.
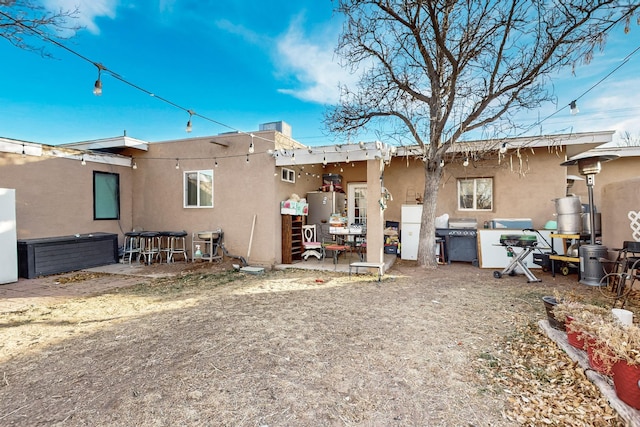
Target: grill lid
x: 463, y: 223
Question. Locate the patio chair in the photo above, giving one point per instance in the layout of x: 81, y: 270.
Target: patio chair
x: 310, y: 244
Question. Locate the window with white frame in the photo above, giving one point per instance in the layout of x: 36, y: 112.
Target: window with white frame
x: 198, y: 189
x: 475, y: 194
x: 288, y: 175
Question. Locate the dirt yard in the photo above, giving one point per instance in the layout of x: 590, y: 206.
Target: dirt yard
x: 214, y: 347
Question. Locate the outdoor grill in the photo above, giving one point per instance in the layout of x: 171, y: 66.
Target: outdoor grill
x: 519, y: 240
x: 525, y: 244
x: 460, y: 239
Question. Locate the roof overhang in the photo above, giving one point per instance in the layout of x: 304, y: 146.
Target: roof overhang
x: 597, y: 138
x: 339, y: 153
x: 118, y: 142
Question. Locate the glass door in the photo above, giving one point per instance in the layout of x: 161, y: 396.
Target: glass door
x: 357, y: 203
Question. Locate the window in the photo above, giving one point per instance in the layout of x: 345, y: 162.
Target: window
x: 288, y: 175
x: 198, y: 189
x: 106, y: 195
x: 475, y: 194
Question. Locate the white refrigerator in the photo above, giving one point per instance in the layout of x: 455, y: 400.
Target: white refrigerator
x: 410, y: 219
x: 8, y: 237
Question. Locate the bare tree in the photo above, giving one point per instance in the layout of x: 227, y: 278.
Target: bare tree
x: 25, y: 23
x: 629, y: 140
x: 434, y: 70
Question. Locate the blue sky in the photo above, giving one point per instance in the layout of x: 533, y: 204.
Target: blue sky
x: 240, y: 63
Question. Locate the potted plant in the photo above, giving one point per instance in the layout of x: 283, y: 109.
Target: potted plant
x: 581, y: 320
x: 624, y: 342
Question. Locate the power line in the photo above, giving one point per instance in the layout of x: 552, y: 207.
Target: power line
x: 101, y: 68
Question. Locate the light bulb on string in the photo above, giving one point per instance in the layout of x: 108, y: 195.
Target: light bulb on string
x: 134, y: 165
x: 177, y: 164
x: 97, y: 86
x: 215, y: 164
x: 503, y: 148
x: 247, y: 158
x: 189, y: 127
x: 83, y: 162
x: 252, y: 148
x: 466, y: 162
x: 24, y: 154
x: 442, y: 163
x: 573, y: 107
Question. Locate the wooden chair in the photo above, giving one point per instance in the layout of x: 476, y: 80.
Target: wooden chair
x: 310, y: 244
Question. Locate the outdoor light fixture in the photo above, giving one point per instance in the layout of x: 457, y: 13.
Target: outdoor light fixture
x: 362, y: 146
x: 189, y: 128
x: 252, y: 148
x: 97, y: 87
x: 442, y: 163
x: 23, y: 152
x: 324, y: 160
x: 83, y: 162
x: 134, y: 165
x: 466, y: 162
x: 215, y: 164
x: 177, y: 164
x: 573, y: 107
x: 503, y: 148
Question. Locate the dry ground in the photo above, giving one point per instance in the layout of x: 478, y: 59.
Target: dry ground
x: 213, y: 347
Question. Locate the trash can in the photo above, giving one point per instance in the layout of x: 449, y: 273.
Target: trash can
x: 591, y: 271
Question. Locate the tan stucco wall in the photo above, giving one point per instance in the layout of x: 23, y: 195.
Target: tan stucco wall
x: 528, y: 195
x: 241, y: 191
x: 54, y: 196
x: 620, y: 201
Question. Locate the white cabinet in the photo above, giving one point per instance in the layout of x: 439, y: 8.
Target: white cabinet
x: 411, y: 215
x: 8, y: 236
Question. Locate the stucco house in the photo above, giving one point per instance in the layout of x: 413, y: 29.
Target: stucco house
x: 236, y: 181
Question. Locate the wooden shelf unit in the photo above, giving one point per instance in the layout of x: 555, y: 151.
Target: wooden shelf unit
x: 292, y: 238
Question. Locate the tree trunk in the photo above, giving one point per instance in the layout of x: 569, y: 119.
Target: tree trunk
x: 427, y: 244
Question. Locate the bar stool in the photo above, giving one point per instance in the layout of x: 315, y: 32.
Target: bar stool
x: 131, y: 246
x: 149, y: 246
x: 177, y: 245
x: 164, y: 245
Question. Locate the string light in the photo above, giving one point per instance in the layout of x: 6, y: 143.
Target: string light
x: 215, y: 164
x: 83, y: 162
x: 177, y: 164
x: 466, y: 162
x: 247, y: 158
x: 97, y: 87
x: 573, y: 107
x: 24, y: 154
x: 135, y: 165
x: 251, y: 146
x: 442, y: 163
x: 503, y: 148
x: 189, y: 128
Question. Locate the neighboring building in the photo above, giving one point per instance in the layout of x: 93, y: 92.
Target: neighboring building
x: 228, y: 180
